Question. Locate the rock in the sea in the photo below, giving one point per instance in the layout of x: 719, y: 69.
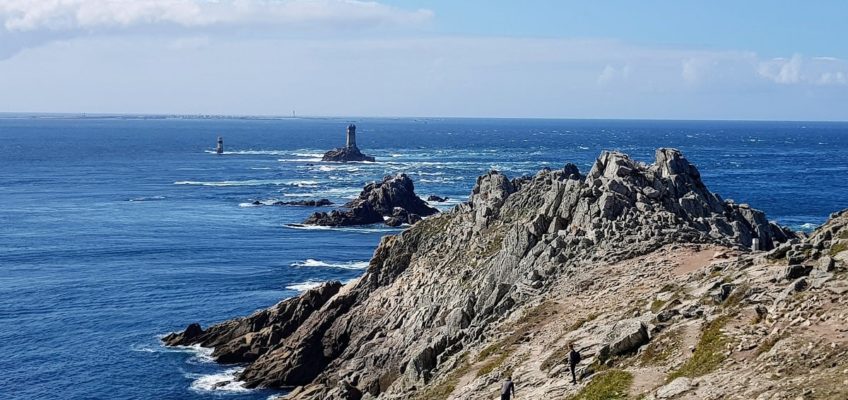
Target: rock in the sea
x: 304, y: 203
x: 392, y: 201
x: 436, y: 199
x: 349, y: 153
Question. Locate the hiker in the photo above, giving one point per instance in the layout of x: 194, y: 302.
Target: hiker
x: 508, y: 389
x: 573, y: 359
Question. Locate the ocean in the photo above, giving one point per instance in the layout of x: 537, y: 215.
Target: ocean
x: 117, y: 230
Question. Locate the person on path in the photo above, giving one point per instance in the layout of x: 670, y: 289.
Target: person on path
x: 573, y: 359
x: 507, y: 389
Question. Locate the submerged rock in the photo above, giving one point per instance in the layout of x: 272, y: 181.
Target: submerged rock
x: 393, y: 201
x: 304, y: 203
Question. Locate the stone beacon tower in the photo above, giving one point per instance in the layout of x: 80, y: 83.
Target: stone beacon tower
x: 351, y: 136
x: 220, y: 148
x: 348, y: 153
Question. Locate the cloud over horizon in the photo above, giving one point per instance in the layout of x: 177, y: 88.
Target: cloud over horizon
x: 73, y: 56
x: 33, y: 15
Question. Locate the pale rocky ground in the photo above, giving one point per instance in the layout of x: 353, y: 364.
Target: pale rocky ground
x: 646, y: 270
x: 798, y: 350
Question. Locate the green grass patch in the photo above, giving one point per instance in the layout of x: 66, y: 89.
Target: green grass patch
x: 709, y: 353
x: 843, y: 234
x: 609, y: 385
x: 442, y: 388
x: 838, y: 247
x: 583, y: 321
x: 656, y: 305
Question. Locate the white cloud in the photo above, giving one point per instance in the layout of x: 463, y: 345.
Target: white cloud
x: 612, y: 74
x: 403, y: 75
x: 33, y: 15
x: 799, y: 70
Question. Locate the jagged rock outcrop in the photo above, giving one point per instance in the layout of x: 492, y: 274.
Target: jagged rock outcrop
x: 392, y: 201
x: 443, y: 287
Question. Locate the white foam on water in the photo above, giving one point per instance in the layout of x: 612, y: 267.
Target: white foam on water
x: 384, y: 229
x: 200, y: 354
x: 310, y: 155
x: 249, y: 182
x: 308, y: 227
x: 304, y: 286
x: 311, y: 262
x: 333, y: 168
x: 315, y: 159
x: 149, y: 198
x: 261, y: 168
x: 250, y: 152
x: 222, y: 382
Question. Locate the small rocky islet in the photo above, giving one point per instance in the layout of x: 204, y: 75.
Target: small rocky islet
x: 392, y: 201
x: 668, y: 290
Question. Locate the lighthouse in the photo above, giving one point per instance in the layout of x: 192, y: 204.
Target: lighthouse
x: 220, y: 148
x: 351, y: 136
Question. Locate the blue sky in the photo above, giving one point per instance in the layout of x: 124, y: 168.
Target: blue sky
x: 772, y: 28
x: 772, y: 60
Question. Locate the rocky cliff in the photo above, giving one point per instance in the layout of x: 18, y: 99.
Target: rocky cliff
x: 641, y: 265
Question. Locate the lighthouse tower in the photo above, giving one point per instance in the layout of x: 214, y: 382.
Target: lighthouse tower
x: 220, y: 148
x: 351, y: 136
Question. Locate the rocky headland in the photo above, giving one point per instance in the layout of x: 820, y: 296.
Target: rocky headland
x: 649, y: 273
x: 392, y: 201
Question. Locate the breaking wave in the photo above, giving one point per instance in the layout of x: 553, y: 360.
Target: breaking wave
x: 304, y: 286
x: 249, y: 182
x: 311, y: 262
x: 222, y: 382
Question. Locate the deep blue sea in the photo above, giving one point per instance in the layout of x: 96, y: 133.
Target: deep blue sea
x: 117, y: 230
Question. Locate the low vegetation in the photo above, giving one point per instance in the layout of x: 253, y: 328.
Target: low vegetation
x: 609, y: 385
x: 838, y: 247
x: 709, y: 353
x: 441, y: 389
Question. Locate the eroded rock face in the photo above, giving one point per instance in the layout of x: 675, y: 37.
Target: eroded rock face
x: 445, y: 284
x: 393, y: 200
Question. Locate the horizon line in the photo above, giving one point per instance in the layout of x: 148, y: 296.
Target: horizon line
x: 189, y: 116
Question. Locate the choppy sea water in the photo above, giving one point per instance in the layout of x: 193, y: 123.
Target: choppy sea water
x: 115, y: 231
